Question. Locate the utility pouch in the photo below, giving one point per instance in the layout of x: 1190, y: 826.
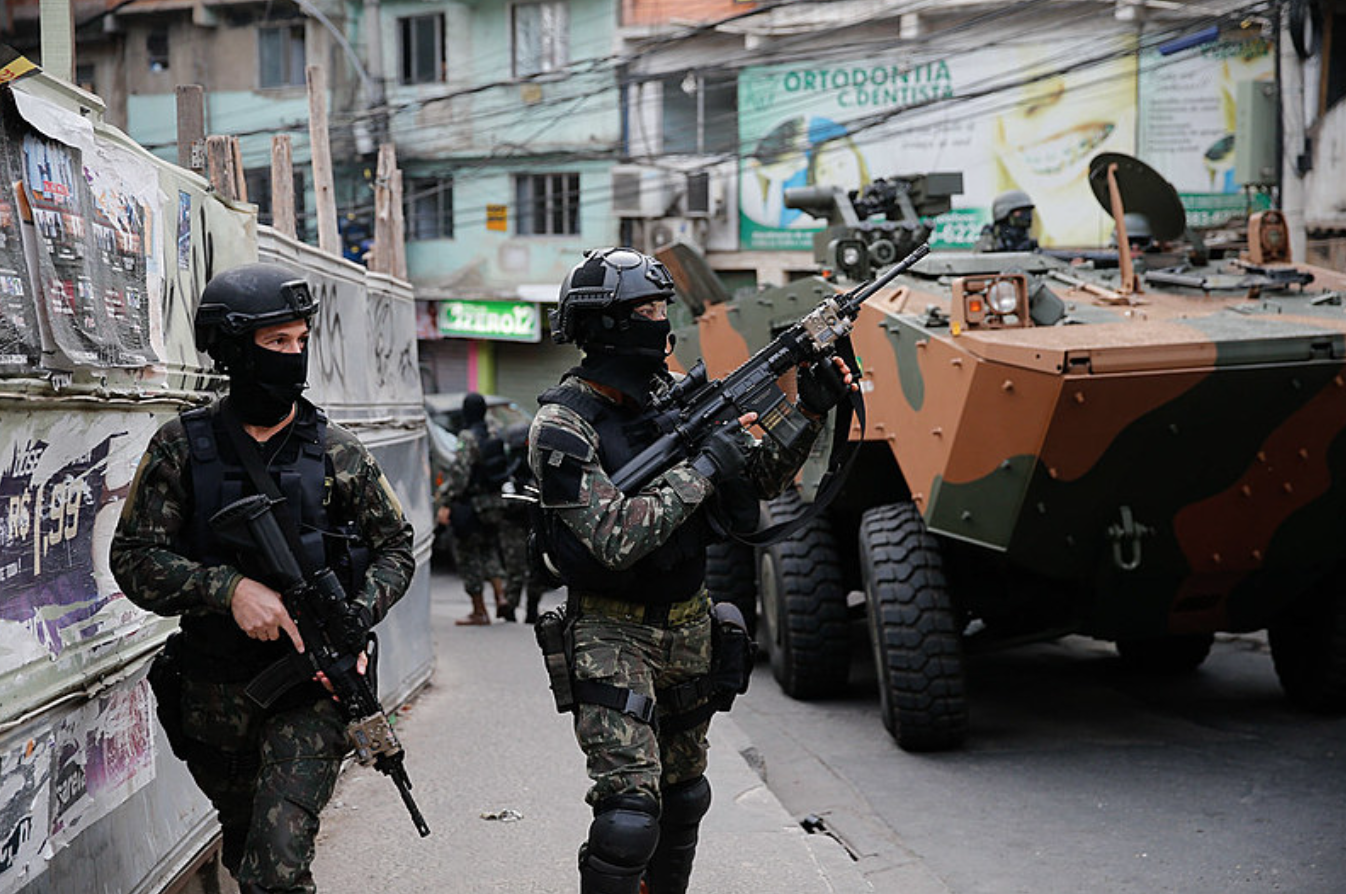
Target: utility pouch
x: 552, y: 630
x: 733, y: 652
x: 165, y: 676
x: 463, y: 518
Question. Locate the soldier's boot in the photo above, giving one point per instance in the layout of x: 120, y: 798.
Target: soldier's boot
x: 508, y: 609
x: 622, y: 837
x: 478, y: 615
x: 671, y: 865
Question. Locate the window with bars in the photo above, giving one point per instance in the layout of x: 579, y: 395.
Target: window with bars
x: 421, y: 39
x: 547, y: 204
x: 280, y: 55
x: 156, y: 48
x: 700, y: 114
x: 427, y: 207
x: 540, y: 33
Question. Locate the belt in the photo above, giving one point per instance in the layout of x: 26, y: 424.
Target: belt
x: 666, y: 615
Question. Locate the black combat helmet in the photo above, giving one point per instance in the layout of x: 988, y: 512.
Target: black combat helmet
x: 597, y: 296
x: 244, y: 299
x: 1007, y: 203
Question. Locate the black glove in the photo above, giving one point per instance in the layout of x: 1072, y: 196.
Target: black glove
x: 724, y: 454
x: 821, y: 387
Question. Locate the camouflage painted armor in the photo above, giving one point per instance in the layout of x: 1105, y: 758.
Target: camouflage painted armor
x: 615, y: 642
x: 268, y: 773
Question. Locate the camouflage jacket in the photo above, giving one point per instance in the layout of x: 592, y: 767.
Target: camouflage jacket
x: 618, y: 529
x: 458, y: 483
x: 147, y: 552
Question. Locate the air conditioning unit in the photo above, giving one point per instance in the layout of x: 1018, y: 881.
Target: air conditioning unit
x: 642, y: 191
x: 665, y: 231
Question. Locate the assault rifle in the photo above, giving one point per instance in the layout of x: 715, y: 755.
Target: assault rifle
x: 333, y: 640
x: 691, y: 410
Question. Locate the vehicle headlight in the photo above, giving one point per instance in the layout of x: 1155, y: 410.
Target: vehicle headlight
x: 850, y: 255
x: 1003, y: 297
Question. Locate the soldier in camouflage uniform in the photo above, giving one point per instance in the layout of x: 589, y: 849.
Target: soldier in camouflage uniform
x: 268, y: 772
x: 514, y: 527
x: 634, y: 567
x: 470, y: 502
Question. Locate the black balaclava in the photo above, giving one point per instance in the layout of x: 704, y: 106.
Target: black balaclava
x: 625, y: 353
x: 264, y: 384
x: 474, y: 411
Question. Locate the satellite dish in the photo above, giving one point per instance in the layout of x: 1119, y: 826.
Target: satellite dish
x: 1144, y: 191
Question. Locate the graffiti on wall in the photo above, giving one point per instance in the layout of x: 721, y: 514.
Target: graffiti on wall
x: 25, y: 795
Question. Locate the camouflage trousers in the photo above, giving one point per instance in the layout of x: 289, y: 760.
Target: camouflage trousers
x: 624, y: 755
x: 268, y: 775
x: 514, y: 556
x: 478, y: 557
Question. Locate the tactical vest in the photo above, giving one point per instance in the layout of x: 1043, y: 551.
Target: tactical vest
x: 492, y: 467
x: 671, y: 573
x: 214, y: 646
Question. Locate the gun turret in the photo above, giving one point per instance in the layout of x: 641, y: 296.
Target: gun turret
x: 872, y: 227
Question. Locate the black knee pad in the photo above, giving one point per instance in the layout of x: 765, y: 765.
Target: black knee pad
x: 686, y: 802
x: 624, y: 832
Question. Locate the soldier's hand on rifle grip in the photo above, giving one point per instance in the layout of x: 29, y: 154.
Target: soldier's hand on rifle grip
x: 725, y: 453
x: 361, y: 665
x: 823, y: 385
x: 259, y: 612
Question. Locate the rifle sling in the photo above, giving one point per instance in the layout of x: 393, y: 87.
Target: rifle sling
x: 288, y: 672
x: 842, y: 457
x: 246, y: 449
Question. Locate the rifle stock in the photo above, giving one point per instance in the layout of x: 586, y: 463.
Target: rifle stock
x: 692, y: 409
x: 332, y: 645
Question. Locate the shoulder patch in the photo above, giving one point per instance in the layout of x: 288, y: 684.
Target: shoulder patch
x: 563, y: 455
x: 554, y: 439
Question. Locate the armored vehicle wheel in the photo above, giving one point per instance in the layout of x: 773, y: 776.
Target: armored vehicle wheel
x: 804, y: 605
x: 1165, y: 654
x: 914, y: 630
x: 730, y: 577
x: 1308, y: 647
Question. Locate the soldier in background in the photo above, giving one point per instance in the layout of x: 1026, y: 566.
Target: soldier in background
x: 470, y: 503
x: 514, y: 527
x: 267, y: 771
x: 634, y: 565
x: 1012, y: 223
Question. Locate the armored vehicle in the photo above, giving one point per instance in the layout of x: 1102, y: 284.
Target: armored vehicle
x: 1141, y: 448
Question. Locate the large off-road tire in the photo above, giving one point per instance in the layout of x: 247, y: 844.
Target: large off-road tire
x: 913, y: 628
x: 1169, y: 655
x: 731, y: 576
x: 804, y: 605
x: 1308, y: 647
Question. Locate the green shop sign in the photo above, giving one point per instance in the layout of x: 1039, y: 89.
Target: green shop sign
x: 505, y: 320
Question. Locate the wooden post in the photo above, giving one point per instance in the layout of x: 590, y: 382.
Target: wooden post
x: 240, y: 180
x: 384, y: 256
x: 399, y: 229
x: 191, y: 127
x: 282, y: 185
x: 329, y: 238
x: 220, y: 166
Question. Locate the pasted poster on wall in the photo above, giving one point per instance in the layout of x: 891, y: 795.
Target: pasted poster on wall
x: 25, y: 796
x: 95, y: 246
x: 102, y: 753
x: 20, y: 339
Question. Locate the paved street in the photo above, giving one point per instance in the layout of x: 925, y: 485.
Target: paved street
x: 501, y: 782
